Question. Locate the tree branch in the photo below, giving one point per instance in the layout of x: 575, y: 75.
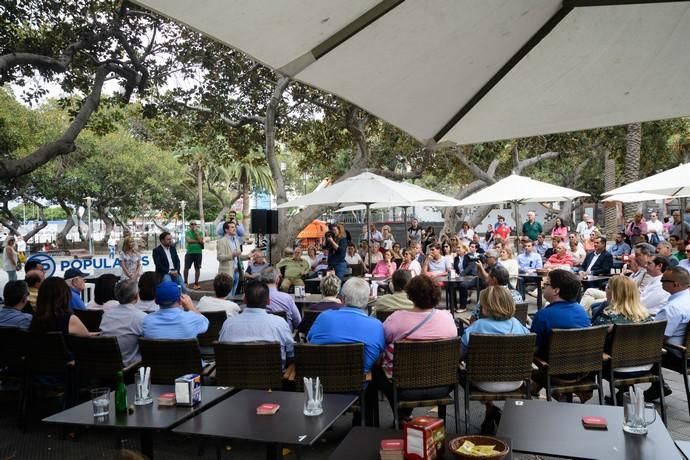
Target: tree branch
x: 527, y: 162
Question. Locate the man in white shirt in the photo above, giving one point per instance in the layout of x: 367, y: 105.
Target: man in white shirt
x: 222, y: 285
x: 654, y: 296
x: 582, y: 225
x: 125, y: 321
x: 644, y: 252
x: 436, y: 265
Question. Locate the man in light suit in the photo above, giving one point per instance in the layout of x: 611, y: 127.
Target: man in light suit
x: 167, y: 262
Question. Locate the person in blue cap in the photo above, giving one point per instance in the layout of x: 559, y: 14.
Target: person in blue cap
x: 75, y: 280
x: 177, y: 318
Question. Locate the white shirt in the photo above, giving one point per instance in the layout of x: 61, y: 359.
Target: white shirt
x: 147, y: 305
x: 21, y: 246
x: 656, y: 226
x: 353, y: 260
x: 653, y: 296
x: 593, y: 261
x: 641, y: 278
x: 415, y: 269
x: 166, y: 250
x: 581, y: 227
x: 106, y: 306
x: 208, y: 303
x: 685, y: 264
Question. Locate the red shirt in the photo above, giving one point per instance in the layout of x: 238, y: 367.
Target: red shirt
x: 503, y: 231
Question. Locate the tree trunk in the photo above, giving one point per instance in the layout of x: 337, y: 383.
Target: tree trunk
x: 200, y: 194
x: 69, y: 223
x: 611, y: 209
x: 631, y: 171
x: 245, y: 200
x: 109, y: 223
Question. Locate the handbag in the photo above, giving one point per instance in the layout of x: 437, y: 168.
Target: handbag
x: 387, y: 361
x: 19, y: 266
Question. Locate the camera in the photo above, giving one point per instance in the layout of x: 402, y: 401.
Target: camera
x: 329, y: 235
x: 477, y: 257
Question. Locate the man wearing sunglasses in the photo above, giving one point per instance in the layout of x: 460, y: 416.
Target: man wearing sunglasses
x: 676, y: 312
x: 685, y: 263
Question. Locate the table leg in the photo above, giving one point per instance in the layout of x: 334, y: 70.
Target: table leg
x: 146, y: 439
x: 539, y: 295
x: 274, y: 452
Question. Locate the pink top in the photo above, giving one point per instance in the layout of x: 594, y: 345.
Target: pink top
x: 560, y: 231
x: 440, y: 326
x: 384, y: 268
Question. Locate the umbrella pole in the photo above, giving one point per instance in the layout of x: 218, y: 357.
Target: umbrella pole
x: 683, y: 236
x: 405, y: 223
x: 368, y: 235
x: 516, y: 216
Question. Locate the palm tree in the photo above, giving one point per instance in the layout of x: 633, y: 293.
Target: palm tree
x: 631, y: 168
x: 198, y: 160
x: 250, y: 172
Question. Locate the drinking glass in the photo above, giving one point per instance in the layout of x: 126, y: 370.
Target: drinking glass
x: 636, y: 421
x: 313, y: 400
x: 100, y: 399
x: 142, y: 396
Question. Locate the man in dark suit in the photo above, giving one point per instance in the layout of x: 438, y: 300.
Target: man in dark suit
x: 167, y: 262
x: 600, y: 261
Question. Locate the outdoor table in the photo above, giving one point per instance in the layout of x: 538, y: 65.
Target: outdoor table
x: 364, y: 443
x: 551, y: 428
x: 452, y: 286
x: 145, y: 419
x: 594, y: 280
x: 533, y: 278
x: 236, y: 418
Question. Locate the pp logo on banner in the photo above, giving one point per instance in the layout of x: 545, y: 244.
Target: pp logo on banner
x: 45, y: 260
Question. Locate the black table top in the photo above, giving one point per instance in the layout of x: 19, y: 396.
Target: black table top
x: 236, y: 418
x: 363, y: 443
x: 150, y: 416
x: 307, y: 299
x: 551, y: 428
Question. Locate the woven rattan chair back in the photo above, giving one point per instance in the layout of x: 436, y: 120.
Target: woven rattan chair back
x: 500, y: 358
x: 170, y: 359
x: 215, y: 324
x: 521, y: 312
x: 308, y: 320
x: 573, y: 351
x: 96, y: 357
x: 339, y: 367
x: 383, y: 315
x: 12, y: 347
x: 47, y: 353
x: 686, y: 341
x: 426, y: 363
x: 90, y: 318
x: 637, y: 344
x: 249, y: 365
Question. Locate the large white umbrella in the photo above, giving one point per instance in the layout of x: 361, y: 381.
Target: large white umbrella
x: 469, y: 71
x: 674, y: 182
x: 634, y: 197
x: 517, y: 189
x: 366, y: 189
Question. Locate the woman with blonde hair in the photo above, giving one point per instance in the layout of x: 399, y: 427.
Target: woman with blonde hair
x: 624, y: 306
x: 506, y: 259
x: 498, y: 310
x: 130, y: 260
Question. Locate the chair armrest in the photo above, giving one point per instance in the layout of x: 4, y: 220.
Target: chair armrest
x: 210, y: 367
x: 289, y: 373
x: 673, y: 346
x: 132, y: 367
x: 540, y: 363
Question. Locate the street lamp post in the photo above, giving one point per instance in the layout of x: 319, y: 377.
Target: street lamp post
x: 89, y: 200
x: 183, y: 203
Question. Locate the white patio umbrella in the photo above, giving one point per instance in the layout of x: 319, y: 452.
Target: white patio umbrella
x: 469, y: 71
x: 634, y: 197
x: 366, y: 189
x: 674, y: 183
x: 517, y: 190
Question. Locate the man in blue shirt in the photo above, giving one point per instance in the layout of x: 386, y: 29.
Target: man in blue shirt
x: 676, y: 312
x: 255, y: 324
x: 177, y: 318
x: 350, y: 324
x: 16, y: 295
x: 563, y: 312
x: 529, y: 259
x: 75, y: 280
x: 620, y: 248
